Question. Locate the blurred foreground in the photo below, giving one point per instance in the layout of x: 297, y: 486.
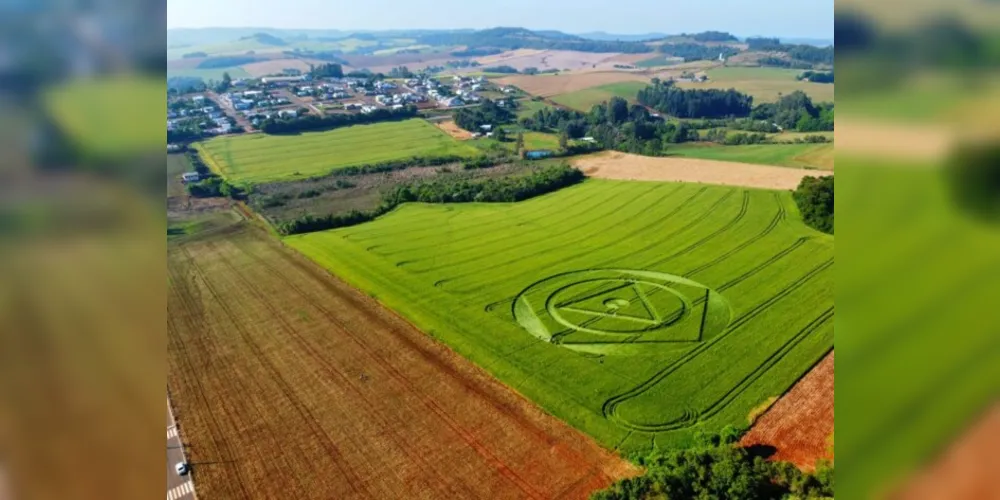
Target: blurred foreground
x: 918, y: 167
x: 82, y: 250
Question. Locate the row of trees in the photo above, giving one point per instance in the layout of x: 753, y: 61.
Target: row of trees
x: 801, y: 52
x: 328, y: 70
x: 695, y: 103
x: 277, y: 125
x: 500, y: 69
x: 503, y: 189
x: 496, y: 40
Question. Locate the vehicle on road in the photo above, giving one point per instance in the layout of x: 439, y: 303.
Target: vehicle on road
x: 181, y: 468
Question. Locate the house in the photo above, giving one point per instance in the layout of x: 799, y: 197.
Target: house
x: 588, y: 139
x: 253, y: 94
x: 198, y: 99
x: 486, y: 127
x: 288, y: 112
x: 190, y: 177
x: 397, y: 106
x: 368, y: 109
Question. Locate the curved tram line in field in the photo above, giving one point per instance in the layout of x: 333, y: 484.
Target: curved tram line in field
x: 632, y: 287
x: 631, y: 327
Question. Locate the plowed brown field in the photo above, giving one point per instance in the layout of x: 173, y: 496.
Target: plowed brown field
x: 799, y: 425
x: 287, y: 383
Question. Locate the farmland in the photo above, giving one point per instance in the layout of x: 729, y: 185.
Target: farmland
x: 553, y: 85
x: 815, y: 156
x: 287, y: 383
x: 624, y: 166
x: 584, y: 100
x: 800, y: 425
x: 80, y: 109
x: 618, y: 307
x: 764, y: 84
x: 259, y: 158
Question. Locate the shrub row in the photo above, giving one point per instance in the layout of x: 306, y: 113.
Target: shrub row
x: 506, y: 189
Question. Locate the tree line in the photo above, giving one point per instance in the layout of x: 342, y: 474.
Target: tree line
x: 816, y: 76
x: 504, y: 189
x: 328, y: 70
x: 277, y: 125
x: 496, y: 40
x: 800, y: 52
x: 667, y: 98
x: 796, y: 111
x: 696, y: 51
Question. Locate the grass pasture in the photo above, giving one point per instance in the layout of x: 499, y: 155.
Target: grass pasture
x: 638, y: 312
x: 817, y: 156
x: 583, y: 100
x: 258, y: 158
x: 100, y: 117
x: 764, y: 84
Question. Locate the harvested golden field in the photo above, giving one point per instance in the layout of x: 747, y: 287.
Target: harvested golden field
x: 624, y: 166
x: 287, y: 383
x: 552, y: 85
x: 800, y: 424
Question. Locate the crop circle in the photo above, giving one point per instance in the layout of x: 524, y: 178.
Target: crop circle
x: 611, y: 306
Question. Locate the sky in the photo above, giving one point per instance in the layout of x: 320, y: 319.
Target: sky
x: 786, y: 18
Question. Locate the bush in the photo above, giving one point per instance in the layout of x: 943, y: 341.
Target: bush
x: 718, y: 471
x: 214, y: 187
x: 814, y: 197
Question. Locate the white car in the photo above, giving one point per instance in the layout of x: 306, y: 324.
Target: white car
x: 181, y: 468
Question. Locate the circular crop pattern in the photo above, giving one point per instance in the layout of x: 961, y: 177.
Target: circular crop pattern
x: 595, y: 309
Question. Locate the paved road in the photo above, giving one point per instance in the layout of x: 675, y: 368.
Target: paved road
x: 298, y: 101
x: 177, y: 486
x: 241, y: 120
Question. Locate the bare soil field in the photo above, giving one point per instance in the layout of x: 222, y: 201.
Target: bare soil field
x: 553, y: 85
x: 799, y: 424
x: 450, y: 128
x: 264, y: 68
x: 966, y: 470
x: 564, y: 60
x: 889, y: 139
x: 385, y: 63
x: 624, y: 166
x: 287, y: 383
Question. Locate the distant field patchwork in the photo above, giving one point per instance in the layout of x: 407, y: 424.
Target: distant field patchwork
x: 638, y: 312
x: 764, y: 84
x: 261, y: 158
